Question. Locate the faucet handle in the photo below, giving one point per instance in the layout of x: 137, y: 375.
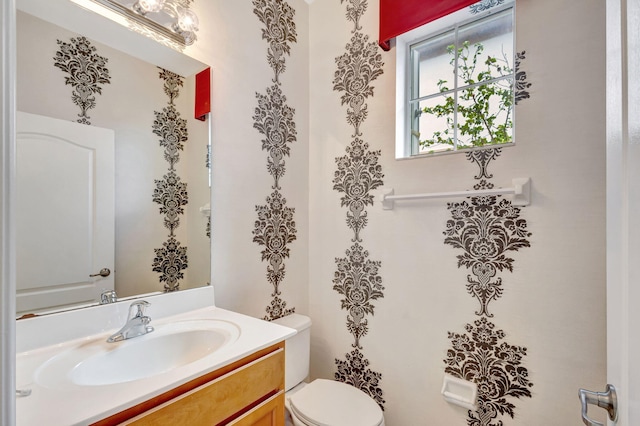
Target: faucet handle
x: 137, y: 323
x: 136, y: 310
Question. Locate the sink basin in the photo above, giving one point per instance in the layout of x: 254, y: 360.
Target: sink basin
x: 171, y: 345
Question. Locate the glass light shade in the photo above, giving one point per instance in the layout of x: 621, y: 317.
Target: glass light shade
x: 147, y: 6
x: 189, y: 37
x: 188, y: 21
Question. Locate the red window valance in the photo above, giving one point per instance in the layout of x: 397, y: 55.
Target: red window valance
x: 203, y: 94
x: 399, y: 16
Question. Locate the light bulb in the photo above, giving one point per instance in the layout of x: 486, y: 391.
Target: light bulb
x: 187, y: 21
x: 148, y: 6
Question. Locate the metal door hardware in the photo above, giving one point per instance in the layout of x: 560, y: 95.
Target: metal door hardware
x: 607, y: 400
x: 104, y: 272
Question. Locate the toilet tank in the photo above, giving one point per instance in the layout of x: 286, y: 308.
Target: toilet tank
x: 298, y: 346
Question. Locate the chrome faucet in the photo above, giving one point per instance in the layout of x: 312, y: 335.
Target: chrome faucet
x: 108, y: 296
x: 137, y: 323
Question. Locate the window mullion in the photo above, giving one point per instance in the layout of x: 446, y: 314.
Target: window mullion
x: 455, y: 91
x: 469, y: 86
x: 414, y: 105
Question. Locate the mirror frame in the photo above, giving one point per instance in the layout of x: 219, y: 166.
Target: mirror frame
x: 104, y: 27
x: 128, y: 14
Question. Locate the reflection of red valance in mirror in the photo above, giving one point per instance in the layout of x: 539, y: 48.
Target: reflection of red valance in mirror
x: 399, y: 16
x: 203, y: 94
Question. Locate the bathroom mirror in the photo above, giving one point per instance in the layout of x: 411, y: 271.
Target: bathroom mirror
x: 141, y: 94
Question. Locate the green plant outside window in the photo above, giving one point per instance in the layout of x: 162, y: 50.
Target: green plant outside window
x: 462, y: 92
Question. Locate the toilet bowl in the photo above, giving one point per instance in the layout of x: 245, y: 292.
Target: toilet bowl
x: 330, y: 403
x: 321, y: 402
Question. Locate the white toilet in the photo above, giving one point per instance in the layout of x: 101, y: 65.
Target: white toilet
x: 321, y: 402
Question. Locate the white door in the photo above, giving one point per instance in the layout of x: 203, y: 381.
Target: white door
x: 65, y: 212
x: 623, y: 207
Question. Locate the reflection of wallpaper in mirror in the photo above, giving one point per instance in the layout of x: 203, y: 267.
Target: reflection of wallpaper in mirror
x: 85, y: 70
x: 171, y: 193
x: 127, y: 106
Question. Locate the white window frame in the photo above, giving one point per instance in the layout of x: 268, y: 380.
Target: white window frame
x: 404, y: 148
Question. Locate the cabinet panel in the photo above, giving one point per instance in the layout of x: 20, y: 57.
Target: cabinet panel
x: 269, y: 413
x: 172, y: 394
x: 213, y: 402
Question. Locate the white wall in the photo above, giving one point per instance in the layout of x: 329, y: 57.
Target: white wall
x: 553, y: 302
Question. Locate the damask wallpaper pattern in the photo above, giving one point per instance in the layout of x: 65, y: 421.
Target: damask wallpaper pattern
x: 170, y: 192
x: 358, y: 173
x: 275, y: 228
x: 485, y: 229
x: 87, y: 72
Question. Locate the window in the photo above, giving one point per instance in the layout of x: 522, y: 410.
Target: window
x: 459, y: 83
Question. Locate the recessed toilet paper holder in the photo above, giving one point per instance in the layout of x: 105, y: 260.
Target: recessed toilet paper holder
x: 460, y: 392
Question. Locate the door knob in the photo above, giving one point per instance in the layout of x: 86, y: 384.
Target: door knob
x: 607, y: 400
x: 104, y: 272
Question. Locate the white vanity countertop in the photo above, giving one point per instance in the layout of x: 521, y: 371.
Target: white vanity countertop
x: 81, y: 405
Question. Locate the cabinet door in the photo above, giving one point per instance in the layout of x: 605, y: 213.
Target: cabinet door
x: 269, y: 413
x: 222, y: 398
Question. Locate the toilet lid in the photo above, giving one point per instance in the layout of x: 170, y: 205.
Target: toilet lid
x: 331, y: 403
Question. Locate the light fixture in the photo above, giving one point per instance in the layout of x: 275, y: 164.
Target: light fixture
x: 186, y: 25
x: 147, y: 6
x: 170, y: 18
x: 187, y: 20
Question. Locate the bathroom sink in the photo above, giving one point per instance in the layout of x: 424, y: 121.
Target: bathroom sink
x: 170, y: 346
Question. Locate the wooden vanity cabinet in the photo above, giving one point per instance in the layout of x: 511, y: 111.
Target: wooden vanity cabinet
x: 249, y: 392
